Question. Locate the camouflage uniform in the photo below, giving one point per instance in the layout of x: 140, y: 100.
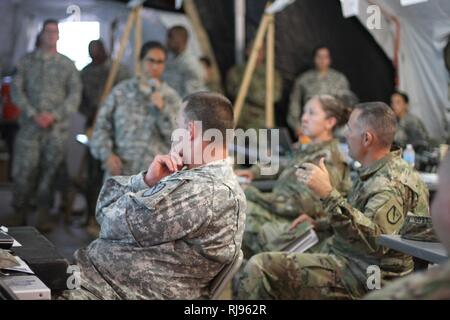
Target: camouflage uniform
x: 270, y: 214
x: 254, y: 109
x: 42, y: 84
x: 410, y: 130
x: 94, y: 78
x: 309, y: 84
x: 164, y: 242
x: 129, y: 126
x: 377, y: 204
x: 184, y: 74
x: 433, y: 284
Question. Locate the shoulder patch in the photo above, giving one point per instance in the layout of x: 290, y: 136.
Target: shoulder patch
x: 394, y: 215
x: 153, y: 190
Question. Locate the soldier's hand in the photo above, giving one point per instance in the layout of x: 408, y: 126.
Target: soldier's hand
x: 300, y: 219
x: 157, y: 100
x: 316, y: 178
x: 40, y: 121
x: 248, y: 174
x: 49, y: 119
x: 114, y: 165
x: 162, y: 166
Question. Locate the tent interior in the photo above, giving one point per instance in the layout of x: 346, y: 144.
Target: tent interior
x: 394, y: 46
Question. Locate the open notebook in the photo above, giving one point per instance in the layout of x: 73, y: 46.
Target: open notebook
x: 303, y: 243
x: 297, y: 240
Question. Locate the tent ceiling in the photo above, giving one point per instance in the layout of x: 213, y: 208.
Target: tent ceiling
x: 168, y: 5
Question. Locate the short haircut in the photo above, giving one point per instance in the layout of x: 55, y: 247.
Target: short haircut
x: 150, y: 45
x: 214, y: 110
x: 49, y: 21
x: 320, y: 47
x: 98, y: 42
x: 380, y: 118
x: 403, y: 95
x: 182, y: 31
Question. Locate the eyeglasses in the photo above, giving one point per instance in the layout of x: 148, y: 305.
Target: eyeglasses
x: 154, y: 61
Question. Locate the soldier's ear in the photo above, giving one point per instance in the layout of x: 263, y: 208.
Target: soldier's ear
x: 368, y: 138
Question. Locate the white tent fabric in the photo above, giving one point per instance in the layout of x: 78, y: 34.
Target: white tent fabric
x: 22, y: 20
x: 424, y: 32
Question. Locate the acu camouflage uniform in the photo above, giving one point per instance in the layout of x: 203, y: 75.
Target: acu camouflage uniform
x: 378, y: 204
x: 433, y: 284
x: 129, y: 126
x: 163, y: 242
x: 310, y: 84
x: 270, y: 214
x: 410, y: 130
x: 254, y: 109
x: 94, y: 78
x: 184, y: 74
x: 42, y: 84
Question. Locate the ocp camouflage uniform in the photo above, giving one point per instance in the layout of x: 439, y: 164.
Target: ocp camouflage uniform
x: 42, y: 84
x: 270, y: 214
x: 184, y: 74
x: 254, y: 109
x: 163, y: 242
x: 433, y: 284
x: 411, y: 130
x: 129, y: 126
x: 309, y: 84
x: 377, y: 204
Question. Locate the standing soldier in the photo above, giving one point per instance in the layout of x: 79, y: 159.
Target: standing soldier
x: 136, y: 121
x: 183, y: 71
x: 320, y: 80
x: 94, y: 77
x: 48, y: 89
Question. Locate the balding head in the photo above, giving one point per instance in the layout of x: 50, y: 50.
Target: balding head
x: 440, y: 208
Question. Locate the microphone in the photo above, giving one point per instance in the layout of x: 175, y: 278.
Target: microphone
x: 153, y: 84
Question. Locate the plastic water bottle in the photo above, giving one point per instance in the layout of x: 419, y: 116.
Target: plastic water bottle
x: 409, y: 155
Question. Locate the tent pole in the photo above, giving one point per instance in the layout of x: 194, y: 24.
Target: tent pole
x: 250, y: 68
x: 270, y: 65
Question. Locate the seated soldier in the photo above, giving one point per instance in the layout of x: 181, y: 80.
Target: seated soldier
x: 166, y: 233
x: 270, y: 214
x: 410, y: 129
x: 433, y: 284
x: 386, y: 190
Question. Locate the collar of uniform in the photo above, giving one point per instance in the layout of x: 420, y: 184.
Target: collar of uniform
x: 179, y: 57
x: 314, y: 147
x: 214, y: 165
x: 331, y: 72
x: 135, y: 80
x: 366, y: 172
x: 39, y: 54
